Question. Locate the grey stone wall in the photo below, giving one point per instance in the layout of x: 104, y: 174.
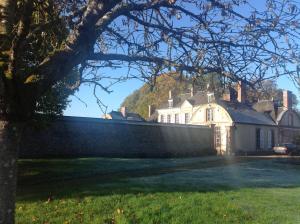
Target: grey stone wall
x: 77, y: 137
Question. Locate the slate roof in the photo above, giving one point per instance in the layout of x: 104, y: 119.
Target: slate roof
x: 153, y: 117
x: 262, y: 113
x: 243, y: 113
x: 117, y: 115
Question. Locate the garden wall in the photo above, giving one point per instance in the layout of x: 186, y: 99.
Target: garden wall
x: 77, y: 137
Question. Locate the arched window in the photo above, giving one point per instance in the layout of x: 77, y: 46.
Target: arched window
x: 291, y: 120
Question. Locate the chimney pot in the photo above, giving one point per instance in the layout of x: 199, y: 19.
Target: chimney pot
x: 170, y: 94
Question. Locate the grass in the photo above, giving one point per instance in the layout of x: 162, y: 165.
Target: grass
x: 197, y: 190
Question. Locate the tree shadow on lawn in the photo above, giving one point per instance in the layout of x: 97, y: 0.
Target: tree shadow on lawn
x: 104, y: 177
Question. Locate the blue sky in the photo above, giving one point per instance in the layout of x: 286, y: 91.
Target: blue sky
x: 121, y: 90
x: 112, y: 100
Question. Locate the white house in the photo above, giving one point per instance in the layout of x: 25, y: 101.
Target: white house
x: 238, y: 126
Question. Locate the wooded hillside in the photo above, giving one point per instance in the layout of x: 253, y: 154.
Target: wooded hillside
x: 139, y: 100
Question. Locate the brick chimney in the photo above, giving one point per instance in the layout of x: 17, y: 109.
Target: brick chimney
x: 151, y: 110
x: 287, y: 99
x: 229, y: 94
x: 123, y: 111
x: 192, y: 91
x: 241, y: 92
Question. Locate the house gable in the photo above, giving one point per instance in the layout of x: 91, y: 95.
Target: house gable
x: 220, y: 115
x: 186, y: 105
x: 288, y: 118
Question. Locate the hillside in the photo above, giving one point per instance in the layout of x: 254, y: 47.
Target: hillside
x: 139, y: 100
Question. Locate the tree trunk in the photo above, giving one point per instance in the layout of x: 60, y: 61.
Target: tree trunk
x: 10, y: 134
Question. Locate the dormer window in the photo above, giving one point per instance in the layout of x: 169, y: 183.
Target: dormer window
x: 210, y: 97
x: 168, y: 118
x: 186, y: 118
x: 209, y: 114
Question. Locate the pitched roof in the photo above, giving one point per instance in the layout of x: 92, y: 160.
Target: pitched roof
x: 264, y: 112
x: 116, y: 115
x: 129, y: 116
x: 199, y: 98
x: 153, y: 117
x: 243, y: 113
x: 134, y: 116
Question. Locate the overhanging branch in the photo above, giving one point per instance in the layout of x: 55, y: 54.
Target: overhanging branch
x: 164, y: 62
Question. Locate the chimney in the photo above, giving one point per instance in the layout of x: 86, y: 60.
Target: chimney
x: 170, y: 94
x: 192, y: 91
x: 229, y: 94
x: 241, y: 92
x: 123, y: 111
x: 151, y: 110
x: 170, y: 100
x: 287, y: 99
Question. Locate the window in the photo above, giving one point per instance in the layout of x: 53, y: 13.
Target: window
x: 262, y: 140
x: 260, y: 144
x: 217, y: 137
x: 186, y: 118
x: 209, y: 114
x: 272, y: 138
x: 168, y: 118
x: 176, y: 118
x: 269, y: 138
x: 257, y: 138
x: 162, y: 118
x: 210, y: 97
x: 291, y: 120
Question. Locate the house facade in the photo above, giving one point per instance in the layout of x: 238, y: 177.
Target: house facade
x: 238, y: 126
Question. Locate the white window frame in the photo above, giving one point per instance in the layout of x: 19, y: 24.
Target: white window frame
x: 210, y: 97
x: 209, y: 114
x: 176, y: 119
x: 169, y: 118
x: 162, y: 118
x: 186, y: 118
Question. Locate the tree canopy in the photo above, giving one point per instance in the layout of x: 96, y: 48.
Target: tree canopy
x: 42, y: 41
x: 158, y: 94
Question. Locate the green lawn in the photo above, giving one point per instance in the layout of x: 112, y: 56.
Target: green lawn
x: 197, y: 190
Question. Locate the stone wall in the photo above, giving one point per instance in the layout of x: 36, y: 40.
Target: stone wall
x: 77, y: 137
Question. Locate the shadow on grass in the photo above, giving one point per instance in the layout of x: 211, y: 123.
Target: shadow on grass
x: 76, y: 178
